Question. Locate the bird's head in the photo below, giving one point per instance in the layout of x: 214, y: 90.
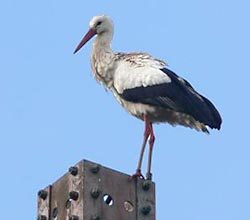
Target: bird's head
x: 99, y: 25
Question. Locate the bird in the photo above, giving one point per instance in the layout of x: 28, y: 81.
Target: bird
x: 146, y: 88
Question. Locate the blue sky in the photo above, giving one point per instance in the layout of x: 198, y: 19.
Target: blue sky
x: 53, y: 113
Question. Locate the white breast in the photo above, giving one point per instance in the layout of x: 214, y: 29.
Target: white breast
x: 103, y: 65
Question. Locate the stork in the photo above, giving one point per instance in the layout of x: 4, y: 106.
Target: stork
x: 147, y: 88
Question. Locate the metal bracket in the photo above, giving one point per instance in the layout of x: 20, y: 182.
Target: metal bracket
x: 90, y: 191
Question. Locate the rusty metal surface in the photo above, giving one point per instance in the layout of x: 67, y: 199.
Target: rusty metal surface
x: 59, y: 191
x: 67, y: 196
x: 146, y: 200
x: 43, y: 201
x: 116, y: 194
x: 90, y: 191
x: 76, y: 185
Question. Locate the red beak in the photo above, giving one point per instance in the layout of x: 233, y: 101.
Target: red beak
x: 91, y: 33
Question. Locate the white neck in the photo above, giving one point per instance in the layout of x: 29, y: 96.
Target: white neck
x: 103, y: 41
x: 102, y: 57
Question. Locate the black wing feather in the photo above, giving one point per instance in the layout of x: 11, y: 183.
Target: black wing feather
x: 178, y: 95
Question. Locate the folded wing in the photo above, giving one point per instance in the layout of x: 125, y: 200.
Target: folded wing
x: 165, y: 89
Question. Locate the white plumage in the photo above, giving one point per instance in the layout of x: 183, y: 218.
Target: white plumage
x: 146, y: 88
x: 130, y: 75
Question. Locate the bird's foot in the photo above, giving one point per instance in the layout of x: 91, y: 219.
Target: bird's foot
x: 149, y: 176
x: 138, y: 174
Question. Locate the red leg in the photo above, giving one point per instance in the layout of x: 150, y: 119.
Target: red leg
x: 147, y: 132
x: 151, y: 146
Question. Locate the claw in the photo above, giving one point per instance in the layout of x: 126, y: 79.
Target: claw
x: 149, y: 176
x: 138, y: 174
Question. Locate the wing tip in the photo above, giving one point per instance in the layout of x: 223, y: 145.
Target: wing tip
x: 216, y: 124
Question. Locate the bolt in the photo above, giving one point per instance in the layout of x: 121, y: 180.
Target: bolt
x: 73, y: 195
x: 73, y: 217
x: 95, y: 169
x: 73, y: 171
x: 145, y: 210
x: 55, y: 212
x: 42, y: 194
x: 95, y: 217
x: 42, y: 217
x: 146, y: 185
x: 95, y: 192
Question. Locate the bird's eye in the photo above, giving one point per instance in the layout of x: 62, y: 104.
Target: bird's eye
x: 98, y: 23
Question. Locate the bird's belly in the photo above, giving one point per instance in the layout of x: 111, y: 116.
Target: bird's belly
x: 154, y: 114
x: 161, y: 115
x: 138, y: 109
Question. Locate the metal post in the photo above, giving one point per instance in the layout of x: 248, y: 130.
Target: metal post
x: 90, y: 191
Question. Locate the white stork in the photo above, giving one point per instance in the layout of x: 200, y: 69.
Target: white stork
x: 146, y: 88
